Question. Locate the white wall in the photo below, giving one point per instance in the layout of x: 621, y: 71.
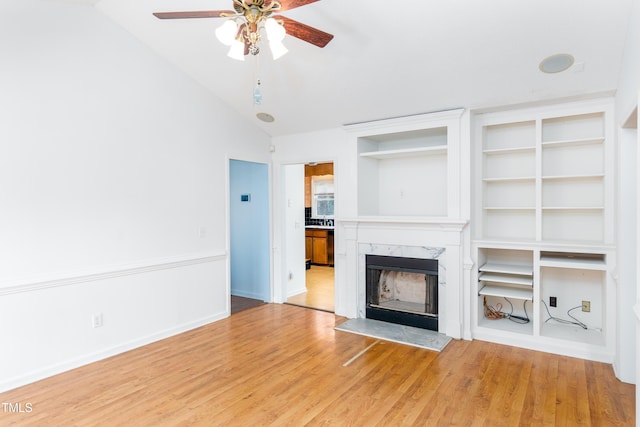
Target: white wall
x: 112, y: 164
x: 628, y: 284
x: 627, y: 270
x: 417, y: 185
x: 629, y: 79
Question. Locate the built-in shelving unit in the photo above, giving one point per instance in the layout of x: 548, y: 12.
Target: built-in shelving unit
x: 572, y: 278
x: 505, y: 283
x: 545, y: 178
x: 543, y: 215
x: 410, y: 166
x: 521, y: 279
x: 509, y: 179
x: 573, y: 154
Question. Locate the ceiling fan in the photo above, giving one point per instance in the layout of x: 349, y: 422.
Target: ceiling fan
x: 241, y: 31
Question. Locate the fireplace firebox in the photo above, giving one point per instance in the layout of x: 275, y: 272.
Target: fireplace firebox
x: 402, y: 290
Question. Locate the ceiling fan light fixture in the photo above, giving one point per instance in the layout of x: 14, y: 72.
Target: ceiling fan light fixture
x: 226, y: 33
x: 249, y: 18
x: 236, y: 51
x: 277, y: 49
x: 275, y: 31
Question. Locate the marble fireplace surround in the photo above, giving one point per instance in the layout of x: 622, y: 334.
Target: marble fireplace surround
x: 415, y: 238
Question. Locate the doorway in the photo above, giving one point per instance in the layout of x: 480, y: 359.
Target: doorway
x: 249, y: 252
x: 310, y: 201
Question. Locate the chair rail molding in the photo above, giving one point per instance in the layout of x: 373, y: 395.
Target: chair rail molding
x: 9, y: 287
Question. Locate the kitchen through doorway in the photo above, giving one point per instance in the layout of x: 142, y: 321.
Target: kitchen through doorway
x: 318, y: 291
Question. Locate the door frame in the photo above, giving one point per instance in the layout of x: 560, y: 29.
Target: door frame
x: 280, y: 205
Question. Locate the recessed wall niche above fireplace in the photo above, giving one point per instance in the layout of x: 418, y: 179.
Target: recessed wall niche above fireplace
x: 402, y: 290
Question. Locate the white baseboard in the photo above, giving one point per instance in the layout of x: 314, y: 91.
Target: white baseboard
x: 546, y: 345
x: 248, y: 295
x: 107, y: 352
x: 294, y: 292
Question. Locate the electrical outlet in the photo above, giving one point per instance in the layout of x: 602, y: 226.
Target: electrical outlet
x: 553, y: 301
x: 96, y: 320
x: 586, y: 306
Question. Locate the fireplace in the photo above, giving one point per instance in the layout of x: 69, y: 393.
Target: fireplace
x: 402, y: 290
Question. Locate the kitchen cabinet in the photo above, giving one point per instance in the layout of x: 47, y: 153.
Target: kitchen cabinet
x: 319, y: 246
x: 320, y: 255
x: 308, y: 246
x: 307, y: 191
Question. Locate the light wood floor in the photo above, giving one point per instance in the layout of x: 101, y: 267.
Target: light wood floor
x: 278, y: 364
x: 320, y: 289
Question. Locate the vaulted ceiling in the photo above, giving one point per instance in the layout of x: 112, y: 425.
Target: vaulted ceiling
x: 394, y: 58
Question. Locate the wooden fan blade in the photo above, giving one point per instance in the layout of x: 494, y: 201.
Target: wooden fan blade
x: 246, y: 42
x: 305, y: 32
x: 292, y: 4
x: 194, y: 14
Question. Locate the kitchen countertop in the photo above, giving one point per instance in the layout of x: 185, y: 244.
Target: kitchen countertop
x: 321, y: 227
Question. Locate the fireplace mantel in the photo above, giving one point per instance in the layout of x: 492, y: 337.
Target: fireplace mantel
x: 419, y: 237
x: 439, y: 222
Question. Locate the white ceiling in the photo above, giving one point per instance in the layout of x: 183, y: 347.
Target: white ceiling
x: 394, y: 58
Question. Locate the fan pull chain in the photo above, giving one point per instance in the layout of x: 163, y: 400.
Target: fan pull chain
x: 257, y: 93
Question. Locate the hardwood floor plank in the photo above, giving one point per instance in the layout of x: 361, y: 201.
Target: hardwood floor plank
x: 372, y: 392
x: 283, y: 365
x: 242, y: 303
x: 539, y: 404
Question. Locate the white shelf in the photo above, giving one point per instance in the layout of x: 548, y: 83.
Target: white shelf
x: 573, y: 177
x: 572, y: 333
x: 506, y: 325
x: 501, y: 278
x: 573, y: 142
x: 506, y: 292
x: 513, y: 179
x: 574, y: 263
x: 509, y: 208
x: 572, y: 208
x: 406, y: 152
x: 524, y: 270
x: 509, y: 150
